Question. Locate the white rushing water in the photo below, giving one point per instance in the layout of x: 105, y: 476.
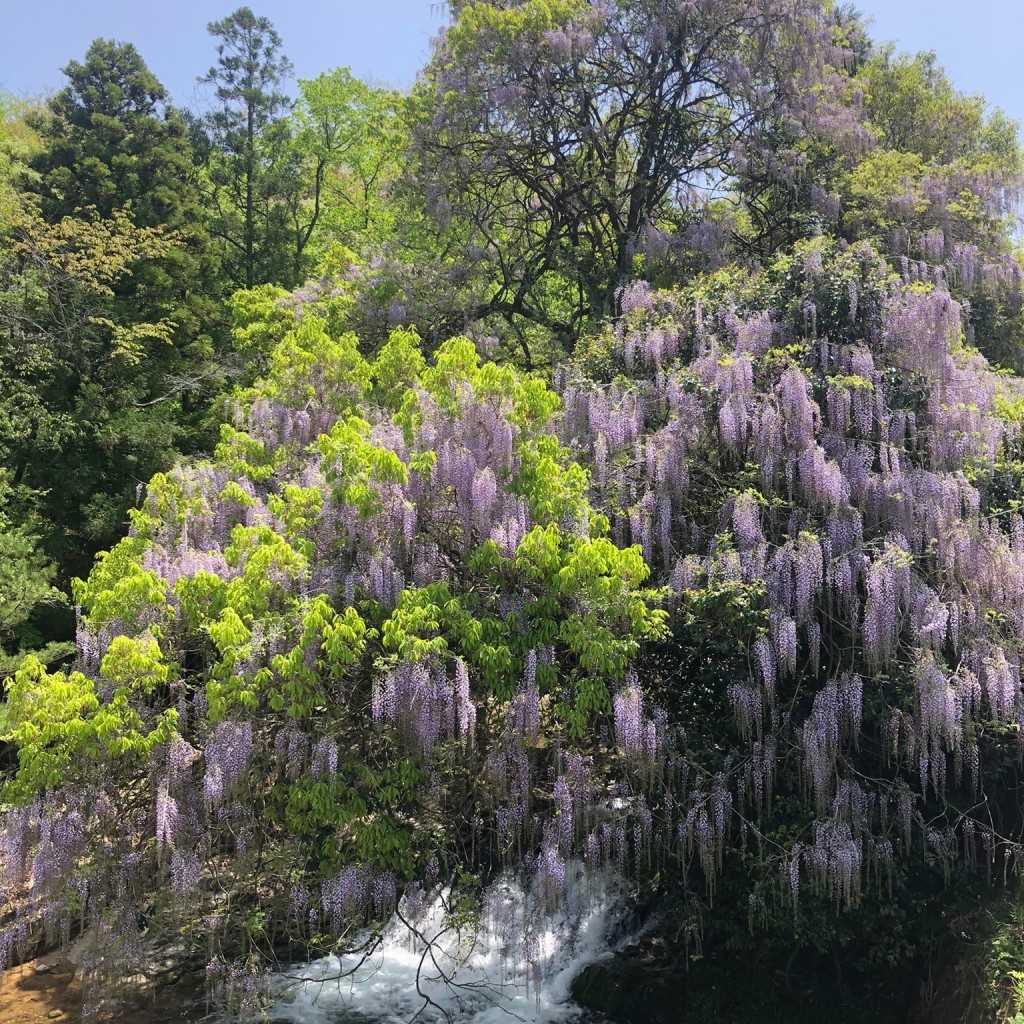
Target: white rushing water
x: 517, y: 964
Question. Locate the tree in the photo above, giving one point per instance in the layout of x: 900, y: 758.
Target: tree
x: 112, y: 142
x: 399, y: 627
x: 915, y: 108
x: 248, y: 181
x: 346, y: 138
x: 26, y: 590
x: 784, y: 188
x: 476, y: 585
x: 109, y: 307
x: 18, y: 145
x: 730, y: 605
x: 89, y: 402
x: 937, y: 191
x: 560, y: 130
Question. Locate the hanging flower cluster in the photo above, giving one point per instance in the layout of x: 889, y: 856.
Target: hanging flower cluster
x: 375, y: 627
x: 886, y: 585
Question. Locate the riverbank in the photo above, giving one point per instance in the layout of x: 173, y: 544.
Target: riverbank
x: 46, y: 990
x: 40, y: 991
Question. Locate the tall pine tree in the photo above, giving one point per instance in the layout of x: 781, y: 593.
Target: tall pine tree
x: 114, y: 142
x: 250, y: 175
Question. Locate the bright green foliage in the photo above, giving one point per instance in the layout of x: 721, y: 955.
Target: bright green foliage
x: 219, y: 572
x: 346, y: 142
x: 354, y: 465
x: 243, y: 455
x: 399, y: 364
x: 259, y: 320
x: 309, y: 364
x: 64, y: 731
x: 583, y: 594
x: 18, y: 145
x: 132, y: 591
x: 914, y: 108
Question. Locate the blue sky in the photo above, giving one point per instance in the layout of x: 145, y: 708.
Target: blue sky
x: 980, y: 44
x: 388, y: 40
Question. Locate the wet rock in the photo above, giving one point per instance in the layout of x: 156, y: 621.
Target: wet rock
x: 631, y: 990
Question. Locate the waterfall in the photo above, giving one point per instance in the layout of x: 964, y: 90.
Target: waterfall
x: 513, y: 960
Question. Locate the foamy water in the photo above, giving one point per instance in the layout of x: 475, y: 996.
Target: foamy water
x: 517, y: 964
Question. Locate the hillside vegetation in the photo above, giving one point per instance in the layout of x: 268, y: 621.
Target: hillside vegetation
x: 607, y: 454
